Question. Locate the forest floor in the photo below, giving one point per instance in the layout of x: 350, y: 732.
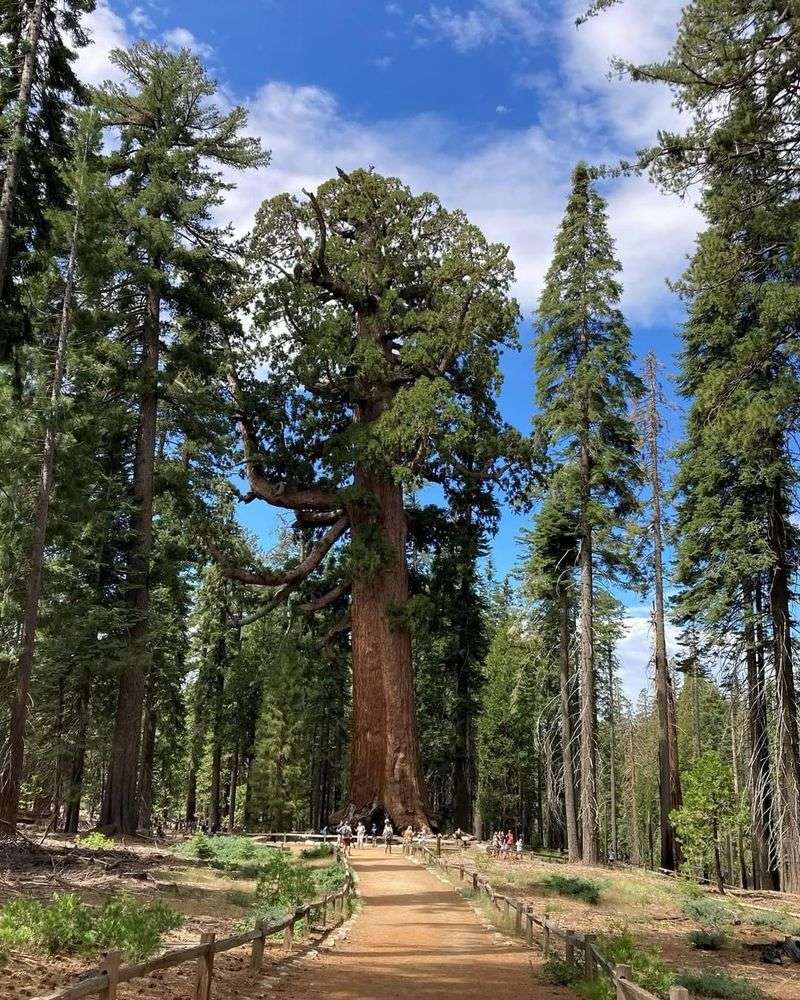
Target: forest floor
x: 210, y: 901
x: 415, y: 937
x: 648, y: 906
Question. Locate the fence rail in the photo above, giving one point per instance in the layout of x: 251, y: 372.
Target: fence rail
x: 574, y: 944
x: 112, y: 973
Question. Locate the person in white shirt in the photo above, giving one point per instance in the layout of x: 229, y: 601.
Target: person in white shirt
x: 360, y: 832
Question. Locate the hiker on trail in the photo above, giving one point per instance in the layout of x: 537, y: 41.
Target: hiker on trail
x: 408, y: 839
x: 388, y: 834
x: 520, y: 845
x: 347, y: 837
x: 374, y: 834
x: 360, y: 832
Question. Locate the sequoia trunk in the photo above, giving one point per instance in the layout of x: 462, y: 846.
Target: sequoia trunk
x: 385, y: 773
x: 570, y: 811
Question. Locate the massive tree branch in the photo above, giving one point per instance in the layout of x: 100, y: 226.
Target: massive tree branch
x: 318, y: 603
x: 280, y: 596
x: 320, y: 272
x: 266, y: 578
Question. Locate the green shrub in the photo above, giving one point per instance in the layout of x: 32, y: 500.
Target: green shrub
x: 238, y: 855
x: 717, y: 984
x: 123, y: 924
x: 95, y: 841
x: 239, y: 898
x: 330, y: 879
x: 648, y: 969
x: 596, y: 989
x: 317, y: 851
x: 284, y: 882
x: 573, y: 885
x: 707, y: 940
x: 560, y: 973
x: 709, y: 913
x: 67, y: 925
x: 775, y: 920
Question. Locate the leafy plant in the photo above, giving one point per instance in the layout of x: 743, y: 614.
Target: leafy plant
x: 708, y: 912
x: 718, y: 984
x: 238, y: 855
x: 67, y: 925
x: 574, y: 885
x: 648, y: 968
x: 317, y: 851
x: 330, y: 879
x: 707, y: 940
x: 284, y: 882
x: 560, y: 973
x: 95, y: 841
x: 775, y: 920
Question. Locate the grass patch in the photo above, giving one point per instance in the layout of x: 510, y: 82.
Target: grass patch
x: 66, y: 925
x: 718, y: 984
x: 237, y: 897
x: 709, y: 913
x: 774, y: 920
x: 648, y: 968
x: 95, y: 841
x: 317, y: 851
x: 584, y: 889
x: 237, y: 855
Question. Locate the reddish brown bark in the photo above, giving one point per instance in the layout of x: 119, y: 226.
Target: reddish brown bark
x: 385, y: 773
x: 570, y: 810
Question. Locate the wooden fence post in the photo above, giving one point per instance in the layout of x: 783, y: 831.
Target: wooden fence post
x: 589, y: 964
x: 529, y: 928
x: 518, y: 919
x: 325, y: 911
x: 621, y: 972
x: 205, y: 969
x: 110, y: 965
x: 288, y: 936
x: 545, y: 938
x: 678, y: 993
x: 438, y: 845
x: 257, y: 954
x: 474, y: 881
x: 569, y: 946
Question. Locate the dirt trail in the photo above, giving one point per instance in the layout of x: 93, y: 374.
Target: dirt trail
x: 415, y: 938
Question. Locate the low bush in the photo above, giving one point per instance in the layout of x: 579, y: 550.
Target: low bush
x: 317, y: 851
x: 238, y: 855
x: 560, y: 973
x: 67, y: 925
x: 707, y: 940
x: 95, y: 841
x: 284, y: 882
x: 575, y: 886
x: 708, y: 912
x: 717, y: 984
x: 330, y: 879
x: 648, y: 968
x: 775, y: 920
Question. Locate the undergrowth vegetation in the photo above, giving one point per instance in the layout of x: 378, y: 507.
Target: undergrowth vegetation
x: 584, y: 889
x: 66, y: 925
x: 717, y: 984
x: 317, y: 851
x: 285, y: 884
x: 95, y: 841
x: 236, y: 855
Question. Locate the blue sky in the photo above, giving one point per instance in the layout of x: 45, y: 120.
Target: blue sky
x: 488, y: 103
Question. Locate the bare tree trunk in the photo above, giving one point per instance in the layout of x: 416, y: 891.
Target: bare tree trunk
x: 13, y: 762
x: 566, y: 681
x: 120, y: 812
x: 232, y: 795
x: 612, y: 758
x: 589, y: 827
x: 787, y: 735
x: 765, y: 871
x: 148, y: 755
x: 16, y: 140
x: 633, y: 818
x: 74, y: 785
x: 385, y: 773
x: 736, y: 788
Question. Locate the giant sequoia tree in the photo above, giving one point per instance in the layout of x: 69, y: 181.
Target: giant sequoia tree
x: 380, y: 319
x: 584, y: 387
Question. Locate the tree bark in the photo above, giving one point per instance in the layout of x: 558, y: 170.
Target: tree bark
x: 11, y: 774
x: 633, y: 819
x: 232, y: 795
x: 120, y: 811
x: 571, y: 815
x: 17, y: 138
x: 765, y: 873
x: 385, y: 773
x: 589, y: 828
x: 612, y: 764
x: 148, y: 755
x: 788, y: 748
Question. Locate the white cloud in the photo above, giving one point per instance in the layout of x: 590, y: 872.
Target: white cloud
x: 394, y: 9
x: 141, y: 19
x: 501, y: 109
x: 635, y: 650
x: 383, y: 62
x: 182, y: 38
x: 107, y: 31
x: 487, y: 22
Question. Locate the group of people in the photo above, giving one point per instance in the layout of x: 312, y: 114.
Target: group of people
x: 344, y: 833
x: 421, y: 837
x: 507, y: 846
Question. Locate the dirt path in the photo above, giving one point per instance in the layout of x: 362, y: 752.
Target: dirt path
x: 415, y: 938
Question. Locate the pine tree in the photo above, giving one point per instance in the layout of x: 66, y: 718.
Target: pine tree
x: 584, y: 387
x: 172, y: 139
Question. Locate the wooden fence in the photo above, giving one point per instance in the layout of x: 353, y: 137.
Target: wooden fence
x: 574, y: 944
x: 112, y: 973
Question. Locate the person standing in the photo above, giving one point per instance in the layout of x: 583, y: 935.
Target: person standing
x: 347, y: 838
x: 388, y: 836
x: 408, y: 839
x: 374, y: 834
x: 360, y: 833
